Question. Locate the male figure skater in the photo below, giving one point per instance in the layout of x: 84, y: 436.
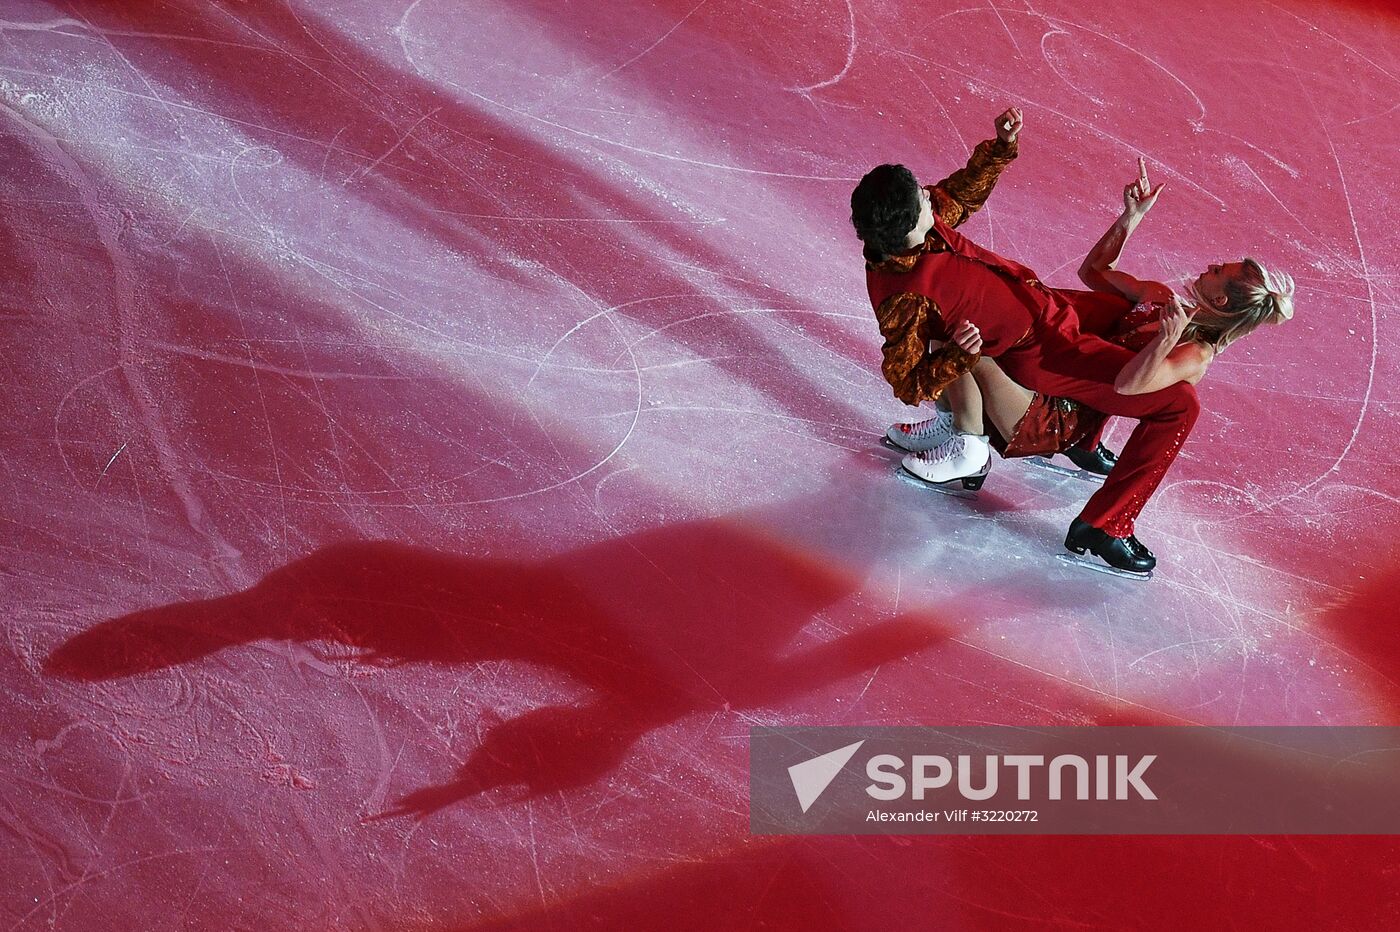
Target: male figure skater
x: 928, y: 283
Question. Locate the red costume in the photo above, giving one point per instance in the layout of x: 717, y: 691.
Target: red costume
x: 1034, y: 332
x: 1053, y: 425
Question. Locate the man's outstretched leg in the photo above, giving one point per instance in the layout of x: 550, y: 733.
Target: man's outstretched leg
x: 1105, y: 526
x: 1085, y: 372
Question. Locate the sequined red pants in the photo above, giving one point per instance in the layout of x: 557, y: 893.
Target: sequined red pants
x: 1082, y: 367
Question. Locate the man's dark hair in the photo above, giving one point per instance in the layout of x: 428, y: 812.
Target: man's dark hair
x: 884, y: 208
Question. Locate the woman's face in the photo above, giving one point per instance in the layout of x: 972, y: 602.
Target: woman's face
x: 1211, y: 283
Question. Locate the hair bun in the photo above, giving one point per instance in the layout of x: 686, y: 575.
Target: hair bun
x: 1280, y: 287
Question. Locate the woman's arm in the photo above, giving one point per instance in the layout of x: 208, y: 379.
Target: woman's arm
x: 1162, y: 362
x: 1098, y: 270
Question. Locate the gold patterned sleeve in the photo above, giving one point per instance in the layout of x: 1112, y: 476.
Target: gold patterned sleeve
x: 963, y: 193
x: 907, y: 322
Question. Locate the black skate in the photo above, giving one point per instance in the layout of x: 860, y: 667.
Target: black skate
x: 1123, y: 556
x: 1098, y: 460
x: 1091, y: 465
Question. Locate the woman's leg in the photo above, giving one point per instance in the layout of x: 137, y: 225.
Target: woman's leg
x: 965, y: 400
x: 1002, y: 401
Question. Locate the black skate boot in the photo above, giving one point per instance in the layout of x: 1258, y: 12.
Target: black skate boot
x: 1126, y: 555
x: 1097, y: 461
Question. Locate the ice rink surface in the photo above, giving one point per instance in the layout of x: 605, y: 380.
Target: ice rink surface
x: 435, y: 432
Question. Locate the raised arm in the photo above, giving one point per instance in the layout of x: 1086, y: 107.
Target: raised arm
x: 963, y: 193
x: 908, y: 322
x: 1099, y: 270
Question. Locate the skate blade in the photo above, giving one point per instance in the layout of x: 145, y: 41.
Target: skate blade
x: 884, y: 438
x: 952, y: 487
x: 1093, y: 563
x: 1074, y: 472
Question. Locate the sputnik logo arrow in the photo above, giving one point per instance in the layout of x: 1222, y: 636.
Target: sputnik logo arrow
x: 811, y: 777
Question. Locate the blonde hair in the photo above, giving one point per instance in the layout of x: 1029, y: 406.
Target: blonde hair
x: 1256, y: 296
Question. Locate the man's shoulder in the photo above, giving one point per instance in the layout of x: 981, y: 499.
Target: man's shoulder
x: 903, y: 263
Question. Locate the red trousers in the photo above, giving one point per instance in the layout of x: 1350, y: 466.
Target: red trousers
x: 1082, y: 366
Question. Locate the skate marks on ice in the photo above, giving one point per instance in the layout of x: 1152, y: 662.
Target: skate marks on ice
x: 1358, y: 268
x: 421, y: 66
x: 806, y: 91
x: 1063, y: 27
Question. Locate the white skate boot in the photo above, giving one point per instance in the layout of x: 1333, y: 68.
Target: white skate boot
x: 918, y: 436
x: 964, y: 457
